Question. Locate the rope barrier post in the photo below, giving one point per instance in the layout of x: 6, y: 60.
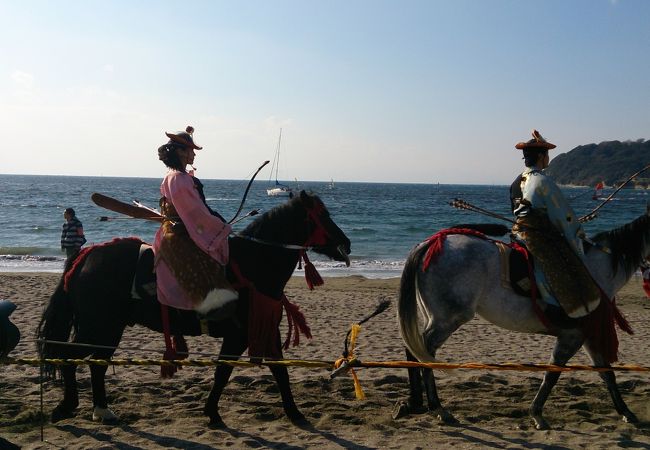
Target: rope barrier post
x: 40, y: 382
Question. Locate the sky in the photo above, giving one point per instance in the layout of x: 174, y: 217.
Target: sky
x: 371, y: 91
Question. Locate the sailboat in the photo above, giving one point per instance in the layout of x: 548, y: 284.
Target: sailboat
x: 598, y: 191
x: 279, y: 189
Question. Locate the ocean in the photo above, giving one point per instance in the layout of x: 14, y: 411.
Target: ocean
x: 383, y: 221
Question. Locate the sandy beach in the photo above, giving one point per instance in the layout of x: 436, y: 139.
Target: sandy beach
x: 492, y: 406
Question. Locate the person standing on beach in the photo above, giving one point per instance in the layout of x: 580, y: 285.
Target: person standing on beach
x: 191, y: 246
x: 549, y: 227
x: 72, y: 234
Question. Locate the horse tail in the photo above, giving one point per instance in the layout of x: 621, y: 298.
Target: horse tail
x: 407, y: 313
x: 56, y: 322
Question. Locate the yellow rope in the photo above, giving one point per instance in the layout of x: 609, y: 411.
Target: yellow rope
x: 352, y: 363
x: 358, y: 391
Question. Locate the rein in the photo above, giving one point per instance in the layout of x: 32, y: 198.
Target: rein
x: 317, y: 237
x: 271, y: 243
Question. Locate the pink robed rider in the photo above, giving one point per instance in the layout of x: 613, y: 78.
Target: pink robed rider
x: 191, y: 246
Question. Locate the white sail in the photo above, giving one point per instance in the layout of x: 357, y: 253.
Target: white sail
x: 278, y: 189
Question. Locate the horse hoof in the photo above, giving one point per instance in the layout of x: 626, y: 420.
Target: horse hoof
x: 630, y: 417
x: 60, y: 413
x: 104, y: 415
x: 216, y: 423
x: 401, y: 409
x: 299, y: 419
x: 541, y: 423
x: 445, y: 417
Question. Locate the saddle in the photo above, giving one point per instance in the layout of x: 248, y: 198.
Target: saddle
x: 144, y: 281
x: 516, y: 271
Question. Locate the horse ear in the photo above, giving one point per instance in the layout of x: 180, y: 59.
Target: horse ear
x: 305, y: 198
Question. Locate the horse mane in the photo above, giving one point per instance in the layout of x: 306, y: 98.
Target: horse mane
x: 273, y: 221
x: 490, y: 229
x: 626, y: 243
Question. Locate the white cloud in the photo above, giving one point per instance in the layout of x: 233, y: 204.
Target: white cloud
x: 273, y: 123
x: 109, y: 68
x: 23, y: 80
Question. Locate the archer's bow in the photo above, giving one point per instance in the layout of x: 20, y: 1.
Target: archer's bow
x: 592, y: 214
x: 250, y: 183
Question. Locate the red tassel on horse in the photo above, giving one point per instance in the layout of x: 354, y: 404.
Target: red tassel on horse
x: 297, y: 323
x: 312, y: 276
x: 646, y: 280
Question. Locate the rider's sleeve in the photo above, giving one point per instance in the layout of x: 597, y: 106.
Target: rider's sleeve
x: 547, y: 195
x: 208, y: 232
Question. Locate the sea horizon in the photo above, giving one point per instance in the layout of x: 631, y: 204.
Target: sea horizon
x: 384, y: 221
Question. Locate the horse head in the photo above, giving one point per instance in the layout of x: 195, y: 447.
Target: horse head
x: 323, y: 235
x: 303, y: 222
x: 629, y: 244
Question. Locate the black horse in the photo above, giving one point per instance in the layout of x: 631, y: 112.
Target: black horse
x: 94, y: 297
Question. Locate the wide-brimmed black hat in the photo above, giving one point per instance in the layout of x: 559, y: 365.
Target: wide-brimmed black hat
x: 184, y: 137
x: 537, y: 142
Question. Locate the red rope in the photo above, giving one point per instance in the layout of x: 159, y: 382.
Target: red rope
x: 436, y: 242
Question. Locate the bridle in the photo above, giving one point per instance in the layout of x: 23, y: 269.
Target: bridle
x: 317, y: 237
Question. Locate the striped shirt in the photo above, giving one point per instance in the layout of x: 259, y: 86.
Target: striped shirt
x: 72, y: 234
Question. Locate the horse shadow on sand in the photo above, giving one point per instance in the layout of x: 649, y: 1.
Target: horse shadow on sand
x: 251, y: 440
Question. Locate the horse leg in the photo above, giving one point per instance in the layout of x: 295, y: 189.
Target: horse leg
x: 415, y: 384
x: 101, y: 411
x: 66, y: 407
x: 567, y: 345
x: 281, y: 376
x: 414, y: 403
x: 610, y: 380
x: 435, y: 335
x: 233, y: 346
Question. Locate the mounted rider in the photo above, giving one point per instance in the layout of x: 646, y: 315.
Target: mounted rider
x: 549, y: 227
x: 191, y: 246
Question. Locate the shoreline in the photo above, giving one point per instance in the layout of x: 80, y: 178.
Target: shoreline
x: 325, y: 273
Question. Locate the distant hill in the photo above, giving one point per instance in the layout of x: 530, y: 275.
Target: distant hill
x: 611, y: 161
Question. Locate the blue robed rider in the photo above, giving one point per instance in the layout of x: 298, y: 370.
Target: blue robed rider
x: 549, y: 227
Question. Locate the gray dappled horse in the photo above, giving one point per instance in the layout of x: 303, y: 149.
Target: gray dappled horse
x: 465, y: 280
